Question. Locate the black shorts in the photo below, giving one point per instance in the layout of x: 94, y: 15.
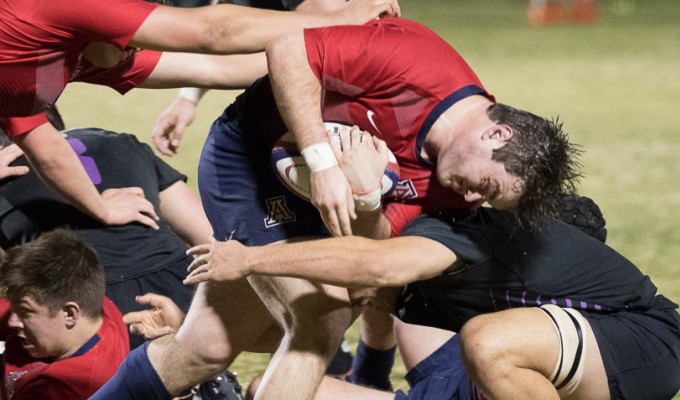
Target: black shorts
x: 166, y: 281
x: 641, y: 352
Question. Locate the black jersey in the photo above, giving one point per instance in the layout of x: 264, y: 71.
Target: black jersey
x: 112, y: 160
x: 506, y: 267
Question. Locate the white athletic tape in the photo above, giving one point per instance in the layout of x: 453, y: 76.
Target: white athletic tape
x: 571, y: 330
x: 369, y: 201
x: 191, y: 94
x: 319, y: 156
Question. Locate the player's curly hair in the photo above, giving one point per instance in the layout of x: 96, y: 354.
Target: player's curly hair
x: 540, y: 154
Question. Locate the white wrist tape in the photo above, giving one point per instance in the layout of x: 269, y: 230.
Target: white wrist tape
x: 191, y: 94
x: 319, y: 157
x: 368, y: 202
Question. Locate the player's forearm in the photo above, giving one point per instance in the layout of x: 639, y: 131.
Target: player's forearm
x: 55, y: 162
x: 348, y: 261
x: 206, y: 71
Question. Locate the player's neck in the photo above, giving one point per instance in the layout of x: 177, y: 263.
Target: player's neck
x: 466, y: 116
x: 81, y: 333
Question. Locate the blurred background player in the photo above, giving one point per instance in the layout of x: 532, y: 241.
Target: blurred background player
x: 552, y: 12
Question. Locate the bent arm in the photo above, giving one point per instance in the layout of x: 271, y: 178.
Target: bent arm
x: 297, y: 92
x: 57, y: 164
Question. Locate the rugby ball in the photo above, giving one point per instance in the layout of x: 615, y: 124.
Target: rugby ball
x: 293, y: 172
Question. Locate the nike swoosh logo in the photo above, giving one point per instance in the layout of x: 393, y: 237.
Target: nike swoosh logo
x: 370, y: 115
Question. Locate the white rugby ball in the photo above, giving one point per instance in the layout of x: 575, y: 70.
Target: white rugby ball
x: 293, y: 172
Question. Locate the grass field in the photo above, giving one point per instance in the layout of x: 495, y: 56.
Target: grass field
x: 615, y: 86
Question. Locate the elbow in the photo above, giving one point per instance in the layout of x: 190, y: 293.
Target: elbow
x: 279, y: 49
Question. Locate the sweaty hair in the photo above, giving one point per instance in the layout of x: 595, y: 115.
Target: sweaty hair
x: 54, y: 269
x: 540, y: 154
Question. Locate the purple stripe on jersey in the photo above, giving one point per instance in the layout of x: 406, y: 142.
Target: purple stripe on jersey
x: 527, y: 299
x: 88, y: 162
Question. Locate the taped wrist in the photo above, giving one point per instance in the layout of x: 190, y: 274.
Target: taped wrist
x: 319, y: 157
x: 370, y: 201
x: 191, y: 94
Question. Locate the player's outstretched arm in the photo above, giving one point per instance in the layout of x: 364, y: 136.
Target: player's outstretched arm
x: 351, y: 261
x: 200, y: 70
x: 229, y: 29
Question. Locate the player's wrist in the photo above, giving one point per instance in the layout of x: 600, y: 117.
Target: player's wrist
x: 191, y: 94
x: 319, y: 156
x: 368, y: 201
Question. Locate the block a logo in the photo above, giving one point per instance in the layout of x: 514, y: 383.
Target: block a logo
x: 404, y: 190
x: 278, y: 212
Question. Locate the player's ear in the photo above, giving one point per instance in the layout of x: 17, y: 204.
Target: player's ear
x: 71, y: 312
x: 499, y: 132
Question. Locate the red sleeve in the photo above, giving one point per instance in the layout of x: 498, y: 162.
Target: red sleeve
x: 400, y: 214
x: 14, y: 127
x: 112, y: 22
x: 123, y: 77
x: 344, y: 60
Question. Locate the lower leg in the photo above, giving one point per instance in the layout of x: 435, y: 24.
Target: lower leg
x: 376, y: 350
x: 314, y: 318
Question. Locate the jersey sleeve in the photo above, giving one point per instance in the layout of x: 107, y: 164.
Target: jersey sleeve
x: 167, y: 175
x: 466, y: 242
x: 14, y: 127
x: 113, y: 22
x: 123, y: 77
x: 336, y: 58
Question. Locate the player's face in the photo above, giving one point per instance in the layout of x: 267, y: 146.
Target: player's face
x: 469, y: 170
x: 36, y: 328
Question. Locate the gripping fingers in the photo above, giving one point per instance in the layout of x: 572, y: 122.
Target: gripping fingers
x: 199, y: 261
x: 198, y: 275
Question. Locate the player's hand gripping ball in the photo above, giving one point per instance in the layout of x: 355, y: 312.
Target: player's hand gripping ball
x: 293, y: 172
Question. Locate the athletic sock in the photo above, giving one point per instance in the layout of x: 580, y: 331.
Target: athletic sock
x: 135, y: 380
x: 372, y: 367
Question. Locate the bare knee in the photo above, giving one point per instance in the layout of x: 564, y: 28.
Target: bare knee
x: 483, y: 346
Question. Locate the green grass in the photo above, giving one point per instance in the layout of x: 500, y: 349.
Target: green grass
x: 614, y: 85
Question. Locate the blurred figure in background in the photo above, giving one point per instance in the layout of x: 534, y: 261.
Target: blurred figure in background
x: 552, y: 12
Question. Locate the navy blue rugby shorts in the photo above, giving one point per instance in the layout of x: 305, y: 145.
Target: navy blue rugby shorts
x: 241, y: 194
x: 441, y: 376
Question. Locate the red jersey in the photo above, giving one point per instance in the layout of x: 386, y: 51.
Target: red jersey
x: 73, y: 378
x: 41, y: 45
x: 395, y: 88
